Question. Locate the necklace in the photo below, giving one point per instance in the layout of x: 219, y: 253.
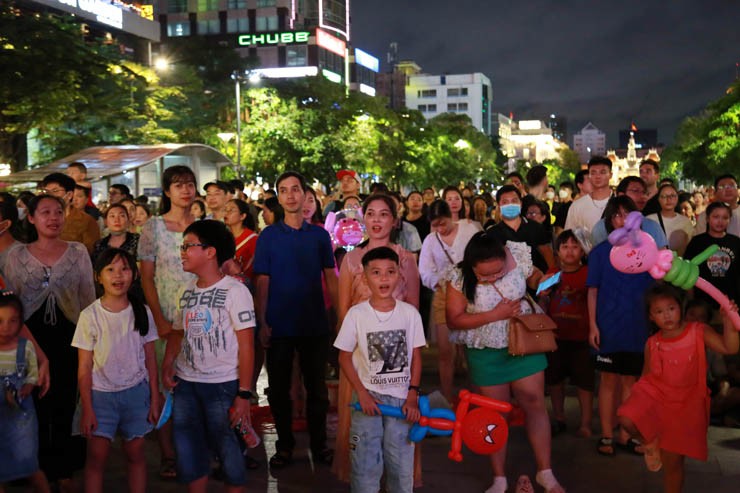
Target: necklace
x: 377, y: 314
x: 597, y: 206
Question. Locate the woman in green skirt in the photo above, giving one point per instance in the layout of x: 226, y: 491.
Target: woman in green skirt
x: 483, y: 292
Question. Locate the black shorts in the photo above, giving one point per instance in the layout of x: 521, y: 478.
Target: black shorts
x: 623, y: 363
x: 573, y: 360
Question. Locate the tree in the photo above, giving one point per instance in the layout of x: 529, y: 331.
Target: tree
x: 708, y: 144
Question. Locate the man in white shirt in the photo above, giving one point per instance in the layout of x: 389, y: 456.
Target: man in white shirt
x: 725, y: 190
x: 585, y: 212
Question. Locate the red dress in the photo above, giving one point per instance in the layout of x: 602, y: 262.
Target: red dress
x: 671, y: 402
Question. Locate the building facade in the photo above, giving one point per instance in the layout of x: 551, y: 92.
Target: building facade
x: 589, y: 141
x: 469, y: 94
x: 288, y: 38
x: 129, y: 26
x: 533, y: 141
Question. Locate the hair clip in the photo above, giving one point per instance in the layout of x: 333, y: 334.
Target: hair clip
x: 6, y: 292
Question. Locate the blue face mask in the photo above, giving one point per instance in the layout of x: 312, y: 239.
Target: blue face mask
x: 511, y: 211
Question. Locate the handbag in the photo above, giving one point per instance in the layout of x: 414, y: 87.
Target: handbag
x: 531, y: 333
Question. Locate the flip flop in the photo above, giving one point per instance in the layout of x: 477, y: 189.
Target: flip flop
x: 606, y: 446
x: 632, y: 446
x: 652, y: 456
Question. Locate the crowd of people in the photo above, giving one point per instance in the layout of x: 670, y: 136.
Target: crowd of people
x: 108, y: 312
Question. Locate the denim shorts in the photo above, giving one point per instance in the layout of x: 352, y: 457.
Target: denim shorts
x: 19, y: 440
x: 126, y: 411
x: 201, y: 428
x: 381, y: 443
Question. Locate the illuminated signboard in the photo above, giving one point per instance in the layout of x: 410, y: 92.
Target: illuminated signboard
x: 287, y: 72
x: 365, y: 89
x: 329, y: 42
x: 147, y: 12
x: 367, y: 60
x: 266, y: 39
x: 104, y: 12
x: 334, y: 77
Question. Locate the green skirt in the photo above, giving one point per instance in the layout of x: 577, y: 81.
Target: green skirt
x: 490, y: 366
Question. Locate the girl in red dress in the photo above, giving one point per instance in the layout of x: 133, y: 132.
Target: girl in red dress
x: 668, y: 409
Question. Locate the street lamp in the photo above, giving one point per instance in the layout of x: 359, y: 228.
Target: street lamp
x: 238, y: 77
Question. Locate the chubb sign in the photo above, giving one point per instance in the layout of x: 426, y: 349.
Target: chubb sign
x: 283, y: 38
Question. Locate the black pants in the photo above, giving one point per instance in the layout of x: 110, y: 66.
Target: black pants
x: 312, y: 354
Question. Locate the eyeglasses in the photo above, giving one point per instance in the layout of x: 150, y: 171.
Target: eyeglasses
x: 51, y: 191
x: 670, y: 196
x: 726, y: 187
x: 229, y: 211
x: 184, y: 247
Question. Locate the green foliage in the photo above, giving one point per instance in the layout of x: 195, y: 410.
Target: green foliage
x: 708, y: 144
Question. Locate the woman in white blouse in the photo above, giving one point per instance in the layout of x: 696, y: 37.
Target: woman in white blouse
x: 442, y: 249
x: 54, y: 280
x: 483, y: 293
x: 677, y: 227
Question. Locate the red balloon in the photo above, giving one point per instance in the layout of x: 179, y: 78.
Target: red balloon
x: 484, y: 431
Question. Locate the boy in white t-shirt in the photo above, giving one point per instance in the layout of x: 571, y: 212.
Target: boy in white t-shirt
x: 380, y: 352
x: 212, y: 340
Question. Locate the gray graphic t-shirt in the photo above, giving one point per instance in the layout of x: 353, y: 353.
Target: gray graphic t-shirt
x: 210, y: 318
x: 381, y: 344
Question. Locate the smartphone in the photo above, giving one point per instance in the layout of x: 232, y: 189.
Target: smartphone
x: 548, y: 283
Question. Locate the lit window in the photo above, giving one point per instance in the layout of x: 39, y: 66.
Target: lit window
x: 236, y: 4
x: 269, y: 23
x: 296, y: 56
x: 207, y: 5
x: 177, y: 6
x: 240, y: 25
x: 176, y: 29
x: 211, y: 26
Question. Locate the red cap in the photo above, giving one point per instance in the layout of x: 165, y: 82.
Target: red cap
x: 348, y: 172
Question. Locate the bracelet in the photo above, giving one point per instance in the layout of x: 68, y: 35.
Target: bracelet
x: 416, y: 388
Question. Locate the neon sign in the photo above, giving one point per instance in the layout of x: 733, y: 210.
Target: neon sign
x: 329, y: 42
x: 283, y: 38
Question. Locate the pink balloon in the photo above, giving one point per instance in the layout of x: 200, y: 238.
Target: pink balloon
x: 633, y: 258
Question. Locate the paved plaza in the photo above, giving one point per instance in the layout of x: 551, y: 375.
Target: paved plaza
x: 575, y: 462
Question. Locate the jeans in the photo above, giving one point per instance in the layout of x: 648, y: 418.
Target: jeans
x: 200, y: 418
x: 126, y: 411
x: 312, y: 356
x: 377, y: 442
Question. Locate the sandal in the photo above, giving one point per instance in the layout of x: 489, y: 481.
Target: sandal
x: 606, y: 446
x: 632, y: 446
x: 325, y: 456
x: 168, y: 468
x: 281, y: 459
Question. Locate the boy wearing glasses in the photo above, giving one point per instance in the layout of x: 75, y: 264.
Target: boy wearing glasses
x: 209, y: 360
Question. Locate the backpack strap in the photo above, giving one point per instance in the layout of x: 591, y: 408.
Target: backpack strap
x: 20, y: 358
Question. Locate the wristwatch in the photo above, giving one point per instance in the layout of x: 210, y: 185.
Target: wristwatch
x: 244, y: 394
x: 416, y: 388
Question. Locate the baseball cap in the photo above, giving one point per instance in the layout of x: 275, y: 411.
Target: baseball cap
x: 348, y: 172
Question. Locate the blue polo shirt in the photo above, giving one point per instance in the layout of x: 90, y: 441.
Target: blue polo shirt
x: 294, y: 259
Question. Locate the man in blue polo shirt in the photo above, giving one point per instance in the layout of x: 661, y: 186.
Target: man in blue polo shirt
x: 290, y: 259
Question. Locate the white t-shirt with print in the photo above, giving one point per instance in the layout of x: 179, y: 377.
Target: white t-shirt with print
x: 118, y: 349
x: 382, y: 344
x: 210, y: 318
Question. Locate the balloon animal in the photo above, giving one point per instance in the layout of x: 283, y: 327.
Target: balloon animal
x: 635, y: 251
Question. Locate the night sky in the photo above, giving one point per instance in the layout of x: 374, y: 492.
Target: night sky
x: 602, y: 61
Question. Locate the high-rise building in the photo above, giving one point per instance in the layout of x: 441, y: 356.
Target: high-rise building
x: 533, y: 141
x: 128, y: 25
x: 469, y: 94
x: 289, y: 38
x: 559, y: 127
x: 392, y: 85
x: 590, y: 141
